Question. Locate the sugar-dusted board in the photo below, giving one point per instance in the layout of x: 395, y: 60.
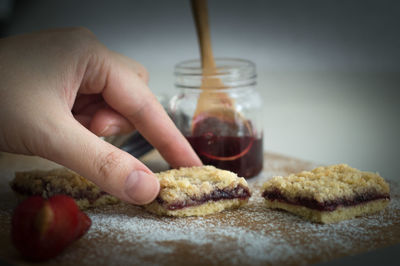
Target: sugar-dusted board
x: 253, y: 235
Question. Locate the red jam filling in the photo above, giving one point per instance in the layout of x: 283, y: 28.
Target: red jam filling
x: 91, y: 197
x: 238, y: 192
x: 330, y: 205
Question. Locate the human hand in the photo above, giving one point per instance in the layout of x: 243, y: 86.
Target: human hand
x: 61, y: 88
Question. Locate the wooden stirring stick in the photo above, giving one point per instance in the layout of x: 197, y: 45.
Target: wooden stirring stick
x: 200, y: 14
x: 209, y: 103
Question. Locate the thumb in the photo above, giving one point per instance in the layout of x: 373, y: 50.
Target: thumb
x: 112, y: 169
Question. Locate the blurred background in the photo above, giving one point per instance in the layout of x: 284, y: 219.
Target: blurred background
x: 328, y: 71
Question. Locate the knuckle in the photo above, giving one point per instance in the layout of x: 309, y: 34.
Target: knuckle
x: 82, y: 31
x: 143, y: 74
x: 108, y: 165
x: 82, y: 39
x: 166, y: 147
x: 137, y: 116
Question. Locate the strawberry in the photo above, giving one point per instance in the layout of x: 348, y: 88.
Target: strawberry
x: 42, y: 228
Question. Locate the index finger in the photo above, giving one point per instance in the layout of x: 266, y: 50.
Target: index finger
x: 129, y: 95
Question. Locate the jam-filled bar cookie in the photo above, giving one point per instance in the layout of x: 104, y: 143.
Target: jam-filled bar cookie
x: 197, y: 191
x: 60, y: 181
x: 328, y: 194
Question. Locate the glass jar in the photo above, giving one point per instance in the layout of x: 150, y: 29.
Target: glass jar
x: 219, y: 112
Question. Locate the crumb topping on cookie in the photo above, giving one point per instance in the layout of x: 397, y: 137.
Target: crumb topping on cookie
x: 328, y: 183
x: 57, y: 181
x: 194, y: 182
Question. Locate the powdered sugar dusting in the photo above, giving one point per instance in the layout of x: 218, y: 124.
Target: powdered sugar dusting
x: 127, y: 235
x: 250, y: 235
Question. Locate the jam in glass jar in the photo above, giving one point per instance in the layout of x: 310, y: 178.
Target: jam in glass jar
x: 220, y: 114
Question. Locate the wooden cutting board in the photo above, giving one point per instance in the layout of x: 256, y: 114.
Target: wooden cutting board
x: 126, y: 235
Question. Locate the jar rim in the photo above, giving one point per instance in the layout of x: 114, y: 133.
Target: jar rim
x: 233, y: 72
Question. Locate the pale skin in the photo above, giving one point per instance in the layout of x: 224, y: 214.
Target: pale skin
x: 62, y: 89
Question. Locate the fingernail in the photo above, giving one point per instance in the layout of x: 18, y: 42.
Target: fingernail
x: 141, y: 187
x: 110, y: 130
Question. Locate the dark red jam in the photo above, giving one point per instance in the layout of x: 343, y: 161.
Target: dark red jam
x: 50, y: 191
x: 239, y: 192
x: 330, y: 205
x: 229, y: 146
